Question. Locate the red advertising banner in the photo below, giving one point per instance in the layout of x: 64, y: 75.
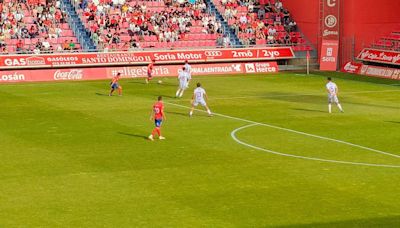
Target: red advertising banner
x: 380, y: 56
x: 351, y: 67
x: 329, y: 53
x: 374, y: 71
x: 330, y: 24
x: 13, y: 76
x: 330, y: 35
x: 143, y: 57
x: 381, y: 72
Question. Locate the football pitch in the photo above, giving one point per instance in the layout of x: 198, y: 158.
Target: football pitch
x: 271, y: 156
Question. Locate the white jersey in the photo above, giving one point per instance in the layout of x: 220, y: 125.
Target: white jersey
x: 199, y: 94
x: 332, y: 95
x: 183, y: 79
x: 182, y: 76
x: 332, y: 88
x: 188, y: 69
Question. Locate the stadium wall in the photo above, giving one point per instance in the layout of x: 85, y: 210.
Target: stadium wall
x: 307, y: 20
x: 362, y: 21
x: 368, y: 20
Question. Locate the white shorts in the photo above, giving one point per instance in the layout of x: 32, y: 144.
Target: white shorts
x: 333, y: 99
x: 183, y: 84
x: 203, y: 103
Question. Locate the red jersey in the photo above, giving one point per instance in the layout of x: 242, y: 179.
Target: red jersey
x: 150, y: 68
x: 158, y: 109
x: 115, y: 79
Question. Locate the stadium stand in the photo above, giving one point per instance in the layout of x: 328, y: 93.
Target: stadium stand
x: 127, y: 25
x: 389, y: 42
x: 264, y: 22
x: 38, y: 26
x: 41, y: 26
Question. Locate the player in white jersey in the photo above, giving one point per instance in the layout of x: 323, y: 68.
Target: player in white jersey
x: 183, y: 81
x: 333, y: 90
x: 199, y: 97
x: 188, y: 69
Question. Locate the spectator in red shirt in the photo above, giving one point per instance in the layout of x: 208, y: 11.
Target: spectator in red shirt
x: 20, y: 46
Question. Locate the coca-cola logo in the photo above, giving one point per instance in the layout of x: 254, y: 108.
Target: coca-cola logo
x: 73, y: 74
x: 350, y: 68
x: 34, y: 61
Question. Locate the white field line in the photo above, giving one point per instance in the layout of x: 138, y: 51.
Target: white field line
x: 233, y: 135
x: 294, y: 131
x: 295, y: 95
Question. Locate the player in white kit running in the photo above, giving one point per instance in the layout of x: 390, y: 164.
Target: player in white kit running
x: 199, y: 97
x: 183, y: 81
x: 188, y: 69
x: 333, y: 90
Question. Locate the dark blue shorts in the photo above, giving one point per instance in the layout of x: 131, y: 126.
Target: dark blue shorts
x: 115, y: 86
x: 158, y: 122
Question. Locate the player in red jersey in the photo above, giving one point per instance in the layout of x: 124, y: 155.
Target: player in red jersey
x: 114, y: 85
x: 150, y: 71
x: 158, y: 115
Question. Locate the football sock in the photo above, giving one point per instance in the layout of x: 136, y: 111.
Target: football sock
x: 209, y: 111
x: 181, y: 93
x: 177, y: 93
x: 154, y: 132
x: 340, y: 107
x: 158, y: 131
x: 330, y: 108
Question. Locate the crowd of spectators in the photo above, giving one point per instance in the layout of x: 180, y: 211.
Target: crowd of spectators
x: 31, y: 26
x: 120, y: 24
x: 127, y: 24
x: 260, y: 22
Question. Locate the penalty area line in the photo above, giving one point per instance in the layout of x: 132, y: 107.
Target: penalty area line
x: 234, y: 137
x: 293, y: 131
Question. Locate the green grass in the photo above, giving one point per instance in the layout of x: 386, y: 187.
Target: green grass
x: 73, y: 157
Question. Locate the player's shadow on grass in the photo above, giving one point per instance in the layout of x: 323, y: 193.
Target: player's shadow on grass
x: 293, y: 97
x: 307, y: 110
x: 133, y: 135
x: 395, y: 122
x: 388, y: 221
x: 138, y: 82
x: 373, y: 105
x: 178, y: 113
x: 167, y: 96
x: 153, y: 82
x: 101, y: 94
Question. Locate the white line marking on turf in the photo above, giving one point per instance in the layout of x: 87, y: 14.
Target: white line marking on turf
x: 233, y: 135
x: 295, y: 95
x: 294, y: 131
